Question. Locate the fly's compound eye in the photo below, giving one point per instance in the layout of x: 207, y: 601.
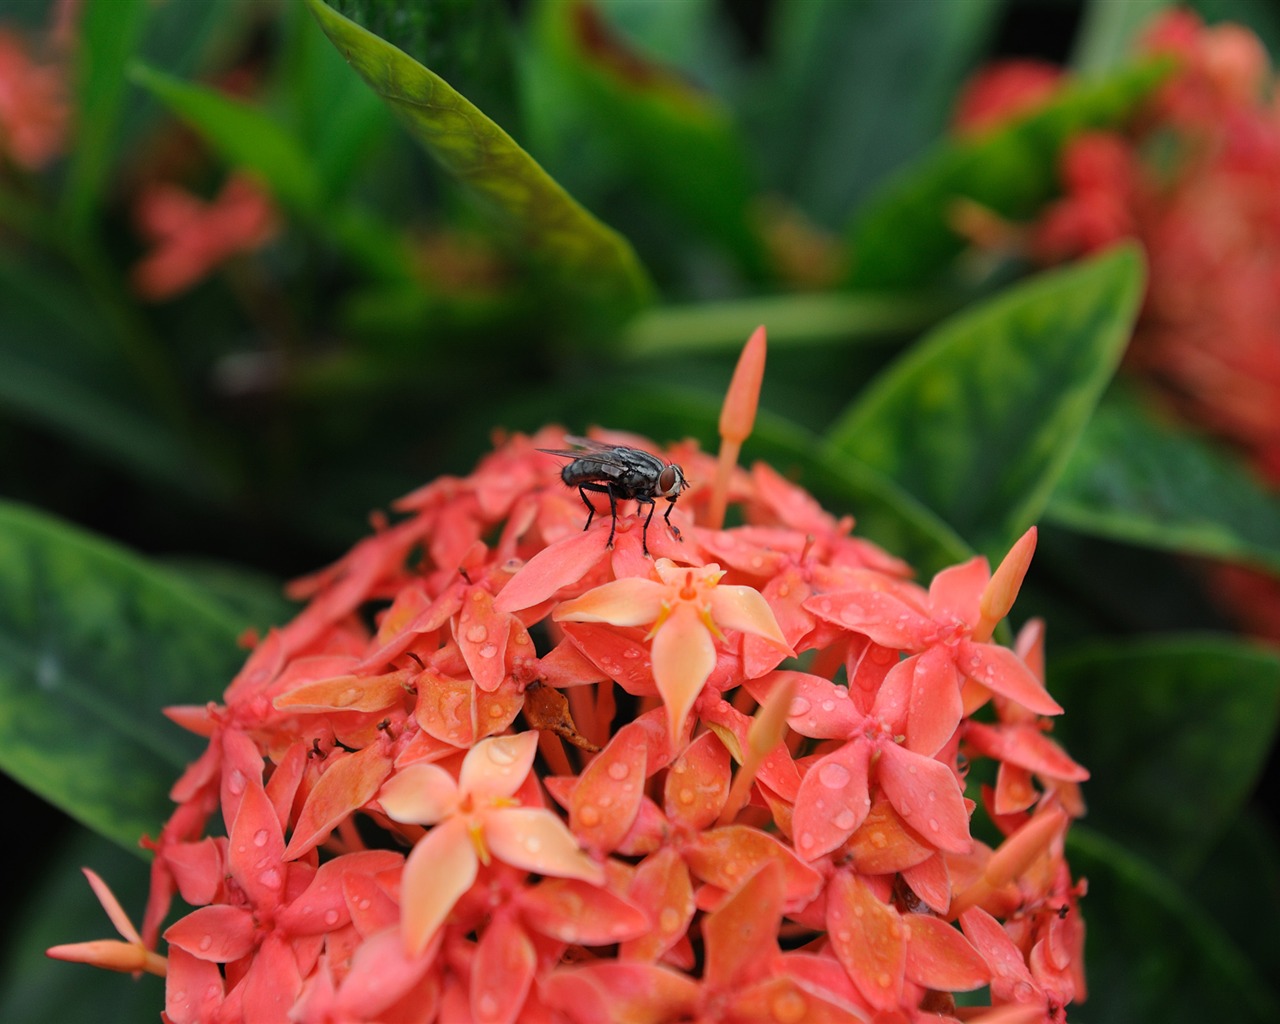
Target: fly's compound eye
x: 671, y: 481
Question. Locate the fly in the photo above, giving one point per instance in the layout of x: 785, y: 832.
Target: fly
x: 623, y: 474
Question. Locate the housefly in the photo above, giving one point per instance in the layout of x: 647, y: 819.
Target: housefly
x: 623, y: 474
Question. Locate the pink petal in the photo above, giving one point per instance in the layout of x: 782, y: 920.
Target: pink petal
x: 439, y: 869
x: 255, y: 849
x: 725, y: 856
x: 535, y: 839
x: 741, y: 935
x: 497, y: 766
x: 925, y: 792
x: 934, y: 708
x: 662, y: 886
x: 868, y: 938
x: 878, y: 614
x: 381, y: 973
x: 218, y: 933
x: 1009, y: 974
x: 346, y: 786
x: 683, y: 657
x: 558, y: 565
x: 627, y: 602
x: 1026, y: 747
x: 346, y: 693
x: 940, y: 957
x: 609, y: 992
x: 502, y: 972
x: 272, y: 984
x: 882, y: 844
x: 621, y: 656
x: 112, y: 906
x: 481, y: 633
x: 931, y: 881
x: 578, y: 913
x: 786, y: 594
x: 697, y: 783
x: 193, y: 989
x: 819, y: 708
x: 1002, y: 671
x: 323, y: 907
x: 607, y: 798
x: 955, y: 592
x: 419, y: 794
x: 833, y: 800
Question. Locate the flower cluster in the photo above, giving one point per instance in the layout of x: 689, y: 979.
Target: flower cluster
x: 496, y: 770
x: 1193, y: 179
x: 34, y: 112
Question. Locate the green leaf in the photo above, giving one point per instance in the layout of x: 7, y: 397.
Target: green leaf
x: 109, y: 36
x: 255, y: 600
x: 1140, y: 478
x: 875, y: 81
x: 94, y: 642
x: 978, y: 419
x: 59, y: 907
x: 479, y: 154
x: 651, y: 125
x: 1175, y: 733
x: 249, y: 138
x: 1152, y: 954
x: 1109, y: 31
x: 245, y: 136
x: 903, y: 236
x: 58, y: 371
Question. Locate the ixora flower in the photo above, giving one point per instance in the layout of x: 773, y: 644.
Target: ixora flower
x: 497, y: 770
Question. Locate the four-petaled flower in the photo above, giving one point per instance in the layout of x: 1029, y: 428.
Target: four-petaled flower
x: 689, y: 610
x: 475, y: 817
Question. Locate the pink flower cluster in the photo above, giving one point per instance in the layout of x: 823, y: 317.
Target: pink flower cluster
x: 497, y: 771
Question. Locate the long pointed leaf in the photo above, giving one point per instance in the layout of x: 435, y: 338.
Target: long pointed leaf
x: 1176, y: 733
x: 94, y: 642
x: 1139, y: 480
x: 478, y: 153
x: 978, y: 420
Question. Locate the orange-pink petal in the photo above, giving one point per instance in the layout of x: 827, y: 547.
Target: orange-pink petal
x: 833, y: 800
x: 868, y: 938
x: 927, y: 796
x: 746, y: 610
x: 683, y: 657
x: 440, y: 868
x: 496, y: 767
x: 535, y: 839
x: 627, y: 602
x: 419, y: 794
x: 345, y: 787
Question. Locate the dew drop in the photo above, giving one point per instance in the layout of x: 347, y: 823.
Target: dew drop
x: 883, y: 979
x: 488, y: 650
x: 756, y: 561
x: 502, y: 753
x: 495, y: 711
x: 206, y: 942
x: 331, y: 917
x: 606, y: 800
x: 828, y: 705
x: 260, y: 837
x: 879, y: 840
x: 844, y: 820
x: 477, y: 633
x: 911, y: 769
x: 631, y: 653
x: 487, y: 1004
x: 364, y: 903
x: 618, y: 771
x: 685, y: 796
x: 531, y: 843
x: 806, y: 840
x: 858, y: 911
x: 235, y: 782
x: 799, y: 705
x: 669, y: 919
x: 789, y: 1008
x: 933, y: 824
x: 347, y: 697
x: 589, y: 816
x: 834, y: 775
x: 271, y: 878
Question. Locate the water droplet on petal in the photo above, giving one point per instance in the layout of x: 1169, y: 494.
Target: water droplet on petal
x: 806, y: 840
x: 883, y: 979
x: 501, y: 752
x: 879, y: 840
x: 844, y: 820
x: 488, y: 650
x: 834, y: 775
x: 933, y: 824
x: 618, y: 771
x: 858, y: 911
x: 331, y: 917
x: 487, y: 1004
x: 271, y: 878
x: 589, y: 816
x: 260, y: 837
x: 477, y: 633
x: 669, y: 919
x: 236, y: 781
x: 206, y: 942
x: 531, y: 843
x: 789, y: 1008
x: 799, y: 705
x: 686, y: 795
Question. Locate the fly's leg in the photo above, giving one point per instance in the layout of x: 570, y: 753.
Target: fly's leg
x: 613, y: 511
x: 675, y: 530
x: 644, y: 537
x: 591, y: 509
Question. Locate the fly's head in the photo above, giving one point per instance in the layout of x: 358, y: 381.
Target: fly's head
x: 671, y: 482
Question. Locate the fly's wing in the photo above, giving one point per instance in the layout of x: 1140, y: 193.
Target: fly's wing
x: 585, y: 448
